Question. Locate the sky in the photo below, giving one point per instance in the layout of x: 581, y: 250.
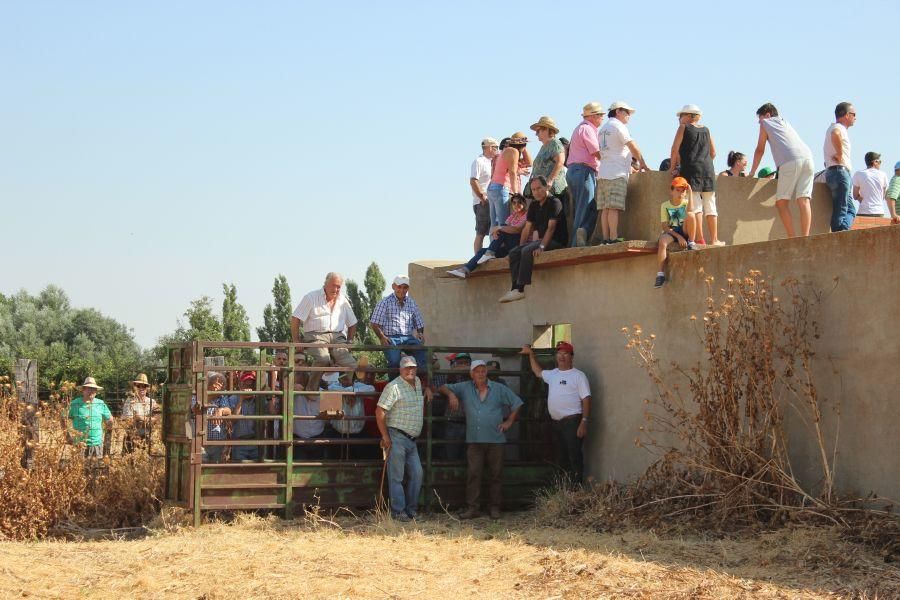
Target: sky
x: 150, y: 151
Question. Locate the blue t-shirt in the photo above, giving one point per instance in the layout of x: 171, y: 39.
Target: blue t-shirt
x: 483, y: 416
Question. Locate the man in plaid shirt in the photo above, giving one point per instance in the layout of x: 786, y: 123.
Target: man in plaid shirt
x: 219, y: 406
x: 397, y: 321
x: 399, y: 416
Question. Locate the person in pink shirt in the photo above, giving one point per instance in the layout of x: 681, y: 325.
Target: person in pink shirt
x: 505, y: 179
x: 581, y: 176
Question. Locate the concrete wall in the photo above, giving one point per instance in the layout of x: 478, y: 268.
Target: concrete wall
x: 856, y: 366
x: 746, y: 207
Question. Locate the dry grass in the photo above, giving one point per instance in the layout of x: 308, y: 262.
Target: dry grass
x: 513, y: 558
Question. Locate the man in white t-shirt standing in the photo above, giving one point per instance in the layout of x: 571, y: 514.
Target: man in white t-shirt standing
x: 326, y: 318
x: 616, y: 151
x: 869, y: 187
x: 569, y: 403
x: 838, y: 166
x: 479, y: 178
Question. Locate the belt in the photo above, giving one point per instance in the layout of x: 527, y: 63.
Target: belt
x: 833, y: 167
x: 400, y: 431
x: 570, y: 417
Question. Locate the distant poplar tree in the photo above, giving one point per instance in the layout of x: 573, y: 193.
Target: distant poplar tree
x: 364, y: 302
x: 235, y: 323
x: 277, y: 319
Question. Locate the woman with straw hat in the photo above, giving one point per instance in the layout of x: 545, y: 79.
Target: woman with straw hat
x: 88, y: 415
x: 550, y: 161
x: 137, y: 410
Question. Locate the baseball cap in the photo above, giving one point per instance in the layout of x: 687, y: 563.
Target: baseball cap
x: 489, y: 141
x: 462, y: 356
x: 565, y: 347
x: 401, y: 280
x: 248, y: 377
x: 477, y: 363
x: 765, y: 172
x: 408, y: 361
x: 679, y: 182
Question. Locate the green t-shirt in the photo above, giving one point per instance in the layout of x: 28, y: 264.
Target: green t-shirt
x: 673, y: 216
x: 88, y: 420
x: 893, y: 192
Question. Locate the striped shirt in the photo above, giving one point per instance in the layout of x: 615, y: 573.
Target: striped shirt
x: 893, y: 191
x: 396, y: 319
x: 404, y: 406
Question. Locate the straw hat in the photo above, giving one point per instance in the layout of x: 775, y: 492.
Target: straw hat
x: 689, y: 109
x: 361, y: 365
x: 141, y: 380
x: 90, y: 382
x: 592, y: 108
x: 518, y: 138
x: 547, y: 123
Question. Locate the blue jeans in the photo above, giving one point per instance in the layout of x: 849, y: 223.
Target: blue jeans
x: 498, y: 199
x: 842, y: 209
x: 239, y: 453
x: 393, y: 356
x: 404, y: 458
x: 582, y: 182
x: 500, y: 247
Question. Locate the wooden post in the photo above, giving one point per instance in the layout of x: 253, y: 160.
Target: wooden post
x: 27, y: 390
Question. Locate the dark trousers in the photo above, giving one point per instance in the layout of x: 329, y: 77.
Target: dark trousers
x: 568, y: 446
x: 478, y: 455
x: 521, y: 262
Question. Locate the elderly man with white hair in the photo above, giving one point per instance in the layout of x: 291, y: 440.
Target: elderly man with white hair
x: 397, y: 321
x: 326, y: 317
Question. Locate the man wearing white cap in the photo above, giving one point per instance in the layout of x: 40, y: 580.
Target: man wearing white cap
x: 397, y: 321
x: 484, y: 402
x: 399, y: 415
x: 89, y: 414
x: 616, y: 150
x: 479, y: 178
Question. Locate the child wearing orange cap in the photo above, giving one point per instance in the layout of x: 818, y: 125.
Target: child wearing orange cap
x: 676, y: 225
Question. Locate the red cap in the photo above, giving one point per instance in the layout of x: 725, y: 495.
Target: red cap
x: 248, y: 377
x: 565, y: 347
x: 679, y: 182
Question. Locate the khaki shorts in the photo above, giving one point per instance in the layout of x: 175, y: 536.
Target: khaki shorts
x: 705, y: 202
x: 611, y: 193
x: 795, y: 180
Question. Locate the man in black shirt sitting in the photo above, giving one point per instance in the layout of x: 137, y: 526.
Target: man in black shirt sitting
x: 545, y: 215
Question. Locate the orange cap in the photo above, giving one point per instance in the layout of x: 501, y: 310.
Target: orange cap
x: 679, y: 182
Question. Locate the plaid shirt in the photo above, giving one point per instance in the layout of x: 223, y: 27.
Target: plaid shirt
x: 215, y: 430
x: 395, y: 319
x: 404, y: 406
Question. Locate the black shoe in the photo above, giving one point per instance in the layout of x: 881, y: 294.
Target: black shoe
x: 660, y: 280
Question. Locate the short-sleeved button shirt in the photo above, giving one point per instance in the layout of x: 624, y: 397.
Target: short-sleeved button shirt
x: 316, y: 316
x: 88, y: 418
x: 215, y: 428
x: 404, y: 405
x: 484, y: 415
x: 396, y: 319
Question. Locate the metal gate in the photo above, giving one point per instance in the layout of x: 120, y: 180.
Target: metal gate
x: 349, y: 471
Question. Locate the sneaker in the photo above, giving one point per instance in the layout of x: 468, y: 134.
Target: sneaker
x: 471, y: 513
x: 512, y: 296
x: 691, y: 246
x: 660, y: 280
x: 486, y: 257
x: 617, y: 240
x: 416, y: 516
x: 718, y: 243
x: 580, y: 237
x: 402, y: 517
x: 495, y: 512
x: 460, y: 272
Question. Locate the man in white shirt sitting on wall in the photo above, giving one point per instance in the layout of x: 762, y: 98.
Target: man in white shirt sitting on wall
x: 569, y: 403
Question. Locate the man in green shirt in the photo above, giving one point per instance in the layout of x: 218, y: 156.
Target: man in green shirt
x: 485, y: 402
x: 88, y: 415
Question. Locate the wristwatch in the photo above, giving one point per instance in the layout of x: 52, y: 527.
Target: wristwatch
x: 584, y: 419
x: 542, y: 246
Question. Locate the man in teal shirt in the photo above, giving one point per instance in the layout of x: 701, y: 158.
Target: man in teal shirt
x: 88, y: 414
x: 484, y: 402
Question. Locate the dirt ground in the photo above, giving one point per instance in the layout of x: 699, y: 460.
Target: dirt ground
x: 255, y: 557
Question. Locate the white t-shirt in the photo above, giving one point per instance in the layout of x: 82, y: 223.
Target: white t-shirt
x: 481, y: 170
x: 567, y: 389
x: 316, y: 316
x: 872, y: 185
x: 829, y: 149
x: 615, y: 157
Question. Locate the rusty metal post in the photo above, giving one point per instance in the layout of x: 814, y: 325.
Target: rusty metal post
x: 429, y: 472
x: 287, y: 433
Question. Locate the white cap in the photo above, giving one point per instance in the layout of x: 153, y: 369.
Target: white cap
x: 408, y: 361
x: 401, y: 280
x: 477, y: 363
x: 620, y: 104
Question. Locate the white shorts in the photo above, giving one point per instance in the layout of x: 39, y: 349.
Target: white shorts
x: 795, y: 180
x: 705, y: 202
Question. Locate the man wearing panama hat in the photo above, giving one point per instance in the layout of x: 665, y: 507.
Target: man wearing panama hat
x: 88, y: 415
x: 582, y: 165
x: 137, y: 411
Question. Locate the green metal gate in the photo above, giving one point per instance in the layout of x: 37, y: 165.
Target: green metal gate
x: 351, y: 476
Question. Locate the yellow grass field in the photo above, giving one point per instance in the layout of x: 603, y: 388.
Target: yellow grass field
x: 256, y: 557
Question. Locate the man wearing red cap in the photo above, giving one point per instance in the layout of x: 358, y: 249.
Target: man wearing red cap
x: 569, y: 403
x: 245, y: 429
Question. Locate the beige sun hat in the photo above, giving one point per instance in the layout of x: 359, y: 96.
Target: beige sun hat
x: 592, y: 108
x: 689, y: 109
x: 620, y: 104
x: 90, y: 382
x: 546, y: 122
x: 361, y: 367
x: 141, y: 380
x: 489, y: 141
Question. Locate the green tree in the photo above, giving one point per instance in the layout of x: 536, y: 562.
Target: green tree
x: 202, y: 324
x: 277, y: 319
x: 364, y: 302
x: 235, y: 323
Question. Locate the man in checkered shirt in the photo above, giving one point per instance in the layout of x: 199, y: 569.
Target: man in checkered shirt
x: 399, y: 415
x: 397, y: 321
